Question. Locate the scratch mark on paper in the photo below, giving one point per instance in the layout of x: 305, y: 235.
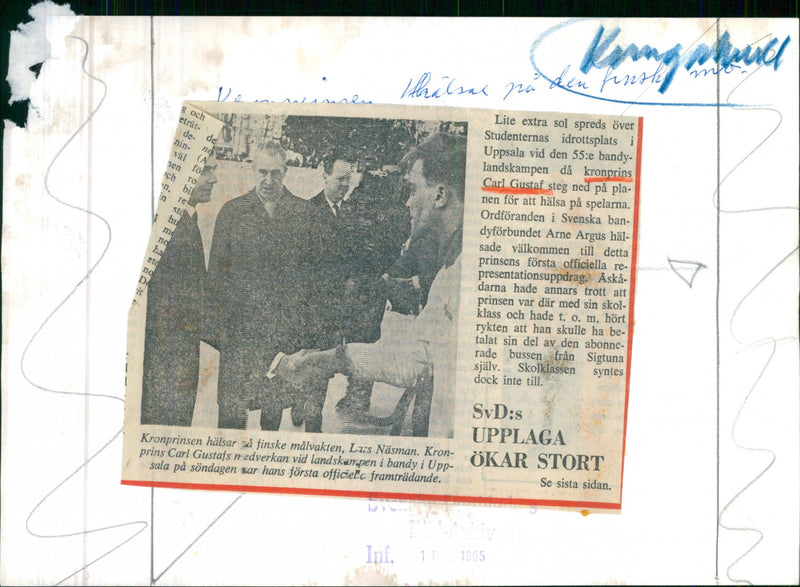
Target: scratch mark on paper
x: 687, y: 267
x: 686, y: 270
x: 199, y: 536
x: 733, y: 169
x: 770, y: 341
x: 759, y: 534
x: 137, y: 526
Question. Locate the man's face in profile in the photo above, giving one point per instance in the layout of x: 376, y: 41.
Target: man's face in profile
x: 269, y: 171
x: 205, y: 183
x: 421, y: 202
x: 337, y: 183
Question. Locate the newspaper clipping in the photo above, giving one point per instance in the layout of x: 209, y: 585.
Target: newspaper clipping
x: 385, y: 301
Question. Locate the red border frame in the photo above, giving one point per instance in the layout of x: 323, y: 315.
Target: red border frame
x: 376, y: 494
x: 468, y: 498
x: 634, y: 256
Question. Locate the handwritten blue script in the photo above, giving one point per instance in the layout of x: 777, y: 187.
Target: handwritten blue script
x: 723, y: 53
x: 631, y: 66
x: 448, y: 86
x: 354, y: 99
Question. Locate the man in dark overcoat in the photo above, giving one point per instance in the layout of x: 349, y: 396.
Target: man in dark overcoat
x: 174, y: 318
x: 260, y: 270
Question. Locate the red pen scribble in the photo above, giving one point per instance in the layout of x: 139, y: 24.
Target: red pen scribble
x: 613, y: 178
x: 520, y: 191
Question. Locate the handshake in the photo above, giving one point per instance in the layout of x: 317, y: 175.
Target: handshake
x: 304, y: 376
x: 306, y: 369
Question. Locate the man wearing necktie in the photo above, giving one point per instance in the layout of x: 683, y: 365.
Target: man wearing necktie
x: 426, y: 355
x: 336, y: 286
x: 174, y: 317
x: 333, y: 227
x: 260, y: 269
x: 363, y: 239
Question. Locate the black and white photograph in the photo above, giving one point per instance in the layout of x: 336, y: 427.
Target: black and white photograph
x: 311, y: 316
x: 311, y: 283
x: 353, y: 300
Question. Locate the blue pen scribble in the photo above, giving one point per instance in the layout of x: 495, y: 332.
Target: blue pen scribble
x: 722, y: 52
x: 599, y: 54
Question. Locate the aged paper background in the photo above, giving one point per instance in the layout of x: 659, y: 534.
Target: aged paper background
x: 712, y: 436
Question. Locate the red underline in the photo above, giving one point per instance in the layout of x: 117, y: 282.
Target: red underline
x: 522, y: 191
x: 596, y: 179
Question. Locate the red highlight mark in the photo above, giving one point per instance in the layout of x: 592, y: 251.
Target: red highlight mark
x: 521, y: 191
x: 376, y: 494
x: 596, y: 179
x: 631, y: 320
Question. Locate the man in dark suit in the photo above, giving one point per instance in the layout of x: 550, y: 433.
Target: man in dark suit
x: 436, y: 180
x: 365, y: 237
x: 260, y: 270
x: 335, y: 280
x: 174, y: 318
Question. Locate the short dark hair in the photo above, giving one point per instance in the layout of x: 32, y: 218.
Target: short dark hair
x: 444, y: 160
x: 333, y: 155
